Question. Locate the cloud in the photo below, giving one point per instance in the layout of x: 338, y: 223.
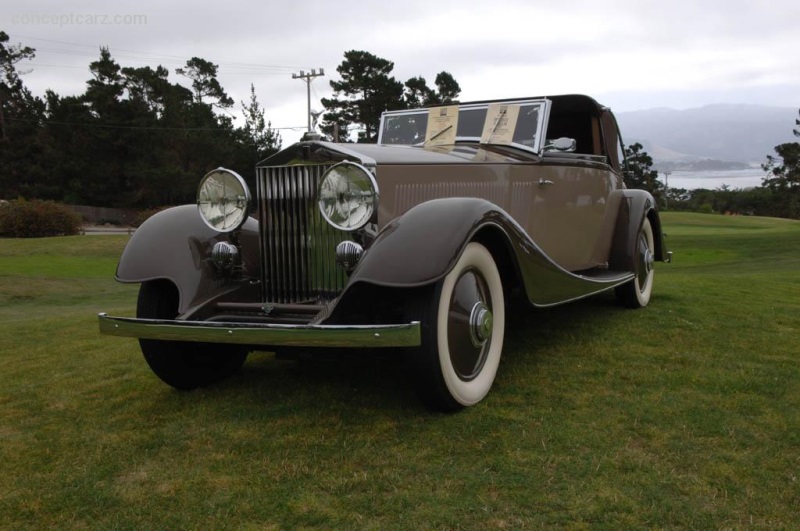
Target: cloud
x: 685, y: 52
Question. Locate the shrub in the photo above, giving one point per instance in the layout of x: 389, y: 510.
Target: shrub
x: 143, y: 215
x: 37, y: 219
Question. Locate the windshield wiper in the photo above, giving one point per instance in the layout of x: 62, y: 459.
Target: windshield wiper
x: 437, y: 135
x: 497, y: 124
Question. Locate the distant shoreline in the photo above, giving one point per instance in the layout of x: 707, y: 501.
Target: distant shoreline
x: 713, y: 179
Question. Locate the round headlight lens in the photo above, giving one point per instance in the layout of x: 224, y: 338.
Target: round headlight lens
x: 223, y: 200
x: 348, y: 196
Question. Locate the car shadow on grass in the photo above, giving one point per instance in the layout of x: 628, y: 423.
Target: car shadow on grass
x: 340, y: 380
x: 381, y: 380
x: 533, y: 334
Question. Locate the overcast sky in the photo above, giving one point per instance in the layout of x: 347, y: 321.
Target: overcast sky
x: 628, y: 54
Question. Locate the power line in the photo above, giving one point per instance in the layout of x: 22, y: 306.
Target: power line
x: 316, y: 94
x: 229, y: 67
x: 141, y: 55
x: 137, y: 127
x: 43, y: 65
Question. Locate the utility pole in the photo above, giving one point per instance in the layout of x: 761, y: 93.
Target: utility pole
x: 307, y: 77
x: 666, y: 189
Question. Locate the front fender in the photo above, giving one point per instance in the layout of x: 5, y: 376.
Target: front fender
x: 423, y: 245
x: 175, y: 245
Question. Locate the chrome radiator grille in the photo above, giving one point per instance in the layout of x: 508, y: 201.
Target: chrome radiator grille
x: 297, y: 244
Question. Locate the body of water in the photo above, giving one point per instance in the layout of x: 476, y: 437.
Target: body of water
x: 712, y: 180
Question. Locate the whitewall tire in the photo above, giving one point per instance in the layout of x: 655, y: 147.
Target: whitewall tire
x: 463, y: 327
x: 636, y: 293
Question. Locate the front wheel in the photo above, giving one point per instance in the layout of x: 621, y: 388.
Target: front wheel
x: 463, y: 324
x: 183, y: 365
x: 636, y: 293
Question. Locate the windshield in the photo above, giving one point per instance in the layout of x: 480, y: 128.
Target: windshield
x: 518, y: 123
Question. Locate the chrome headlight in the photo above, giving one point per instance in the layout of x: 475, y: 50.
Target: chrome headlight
x: 348, y: 196
x: 223, y: 200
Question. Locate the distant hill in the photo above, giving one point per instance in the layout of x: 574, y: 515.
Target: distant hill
x: 715, y: 137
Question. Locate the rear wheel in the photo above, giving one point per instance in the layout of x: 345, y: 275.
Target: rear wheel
x: 183, y: 365
x: 463, y: 323
x: 636, y: 293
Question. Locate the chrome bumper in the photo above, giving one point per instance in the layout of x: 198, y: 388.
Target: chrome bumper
x: 395, y: 335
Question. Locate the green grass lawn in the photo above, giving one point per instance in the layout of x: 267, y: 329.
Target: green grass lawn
x: 685, y: 414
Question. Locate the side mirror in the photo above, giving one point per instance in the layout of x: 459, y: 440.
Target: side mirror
x: 563, y: 144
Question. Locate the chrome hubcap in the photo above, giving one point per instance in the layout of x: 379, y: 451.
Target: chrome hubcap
x: 646, y: 261
x: 480, y: 324
x: 649, y: 260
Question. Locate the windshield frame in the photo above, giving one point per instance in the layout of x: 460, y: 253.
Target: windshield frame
x: 535, y: 146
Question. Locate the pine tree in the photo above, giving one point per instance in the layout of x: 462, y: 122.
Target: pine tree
x: 638, y: 171
x: 783, y: 176
x: 261, y: 140
x: 204, y: 82
x: 364, y: 92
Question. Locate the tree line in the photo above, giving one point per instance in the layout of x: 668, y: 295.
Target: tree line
x: 136, y: 139
x: 132, y: 139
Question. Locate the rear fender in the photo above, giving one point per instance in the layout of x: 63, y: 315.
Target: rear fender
x: 634, y: 207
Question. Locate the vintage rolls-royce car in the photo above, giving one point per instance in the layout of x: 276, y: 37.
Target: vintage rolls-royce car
x: 415, y: 243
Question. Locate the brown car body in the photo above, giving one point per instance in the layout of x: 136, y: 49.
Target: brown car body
x: 557, y: 224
